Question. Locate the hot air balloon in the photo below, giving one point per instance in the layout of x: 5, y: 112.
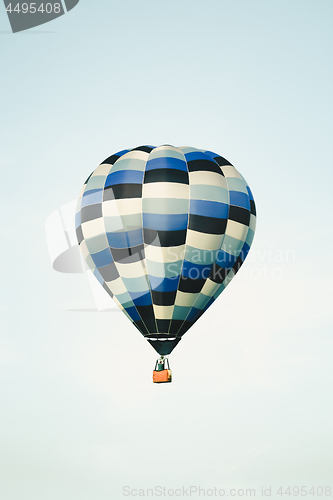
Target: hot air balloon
x: 164, y: 230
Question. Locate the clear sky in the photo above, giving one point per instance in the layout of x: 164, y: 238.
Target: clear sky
x: 251, y: 401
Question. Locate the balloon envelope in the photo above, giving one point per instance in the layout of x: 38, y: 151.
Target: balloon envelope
x: 165, y: 230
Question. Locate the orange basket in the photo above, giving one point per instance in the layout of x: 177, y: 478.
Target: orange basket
x: 162, y: 375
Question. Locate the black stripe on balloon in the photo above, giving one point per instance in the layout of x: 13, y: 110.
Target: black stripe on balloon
x: 146, y: 312
x: 128, y: 255
x: 222, y: 161
x: 217, y: 273
x: 238, y: 264
x: 185, y: 326
x: 179, y: 327
x: 163, y: 325
x: 139, y: 324
x: 149, y: 322
x: 166, y: 175
x: 145, y: 149
x: 79, y: 235
x: 109, y: 272
x: 91, y: 212
x: 111, y: 160
x: 189, y: 285
x: 239, y: 214
x: 203, y: 165
x: 208, y: 225
x: 175, y: 326
x: 253, y: 207
x: 121, y: 191
x: 163, y: 298
x: 164, y: 238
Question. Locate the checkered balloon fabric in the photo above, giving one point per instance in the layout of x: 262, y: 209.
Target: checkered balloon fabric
x: 165, y: 230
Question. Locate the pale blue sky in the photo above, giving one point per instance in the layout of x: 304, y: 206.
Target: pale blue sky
x: 251, y: 401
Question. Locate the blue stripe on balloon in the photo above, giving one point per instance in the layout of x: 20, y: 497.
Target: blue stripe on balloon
x: 250, y: 193
x: 197, y: 155
x: 102, y: 258
x: 125, y: 239
x: 122, y: 153
x: 244, y: 252
x: 133, y: 313
x: 225, y: 260
x: 165, y: 222
x: 195, y: 271
x: 193, y: 314
x: 209, y: 209
x: 209, y: 303
x: 92, y: 191
x: 77, y: 219
x: 141, y: 298
x: 166, y: 162
x: 211, y: 154
x: 91, y: 197
x: 124, y: 177
x: 163, y: 284
x: 239, y: 199
x: 98, y: 276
